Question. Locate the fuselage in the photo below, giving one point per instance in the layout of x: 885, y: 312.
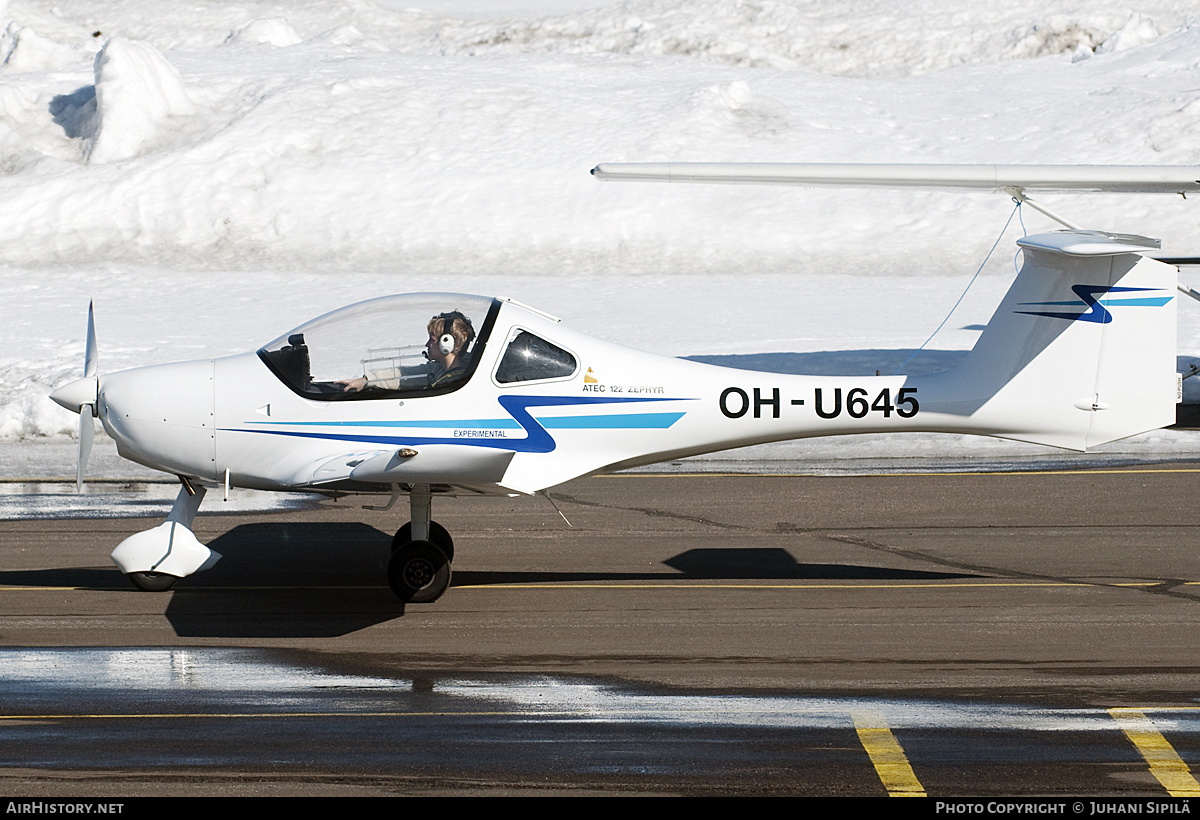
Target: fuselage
x: 599, y: 405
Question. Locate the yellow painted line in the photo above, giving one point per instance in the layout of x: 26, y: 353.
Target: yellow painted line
x: 130, y: 588
x: 886, y: 755
x: 683, y: 584
x: 680, y: 584
x: 1112, y: 471
x: 234, y: 715
x: 1165, y: 762
x: 44, y: 589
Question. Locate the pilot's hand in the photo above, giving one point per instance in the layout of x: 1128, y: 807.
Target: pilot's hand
x: 352, y: 385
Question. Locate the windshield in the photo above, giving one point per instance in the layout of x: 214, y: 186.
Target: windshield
x: 409, y: 345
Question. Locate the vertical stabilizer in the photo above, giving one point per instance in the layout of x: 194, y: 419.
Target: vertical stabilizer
x: 1081, y: 350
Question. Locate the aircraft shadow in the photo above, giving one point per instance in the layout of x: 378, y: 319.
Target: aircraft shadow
x: 719, y: 564
x: 289, y: 579
x: 298, y: 580
x: 773, y: 563
x: 96, y: 578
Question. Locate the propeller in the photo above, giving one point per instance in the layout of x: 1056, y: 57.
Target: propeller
x: 80, y: 396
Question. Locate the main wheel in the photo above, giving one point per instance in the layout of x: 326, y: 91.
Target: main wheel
x: 437, y: 534
x: 153, y: 581
x: 419, y: 572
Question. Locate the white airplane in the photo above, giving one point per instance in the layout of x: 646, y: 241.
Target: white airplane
x: 435, y: 393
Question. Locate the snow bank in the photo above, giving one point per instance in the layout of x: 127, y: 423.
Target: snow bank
x: 334, y: 154
x: 852, y: 38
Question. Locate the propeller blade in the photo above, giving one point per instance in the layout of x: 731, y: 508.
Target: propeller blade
x: 90, y: 363
x: 87, y: 428
x: 87, y: 432
x: 82, y: 396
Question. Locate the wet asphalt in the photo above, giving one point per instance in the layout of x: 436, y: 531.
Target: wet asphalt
x: 681, y: 635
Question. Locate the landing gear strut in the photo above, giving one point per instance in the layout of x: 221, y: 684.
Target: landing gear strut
x: 419, y: 569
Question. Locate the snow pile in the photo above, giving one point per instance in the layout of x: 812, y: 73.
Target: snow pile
x: 275, y: 31
x: 136, y: 94
x: 1137, y: 31
x: 23, y: 49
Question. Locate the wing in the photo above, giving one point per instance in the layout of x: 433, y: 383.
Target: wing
x: 1174, y: 179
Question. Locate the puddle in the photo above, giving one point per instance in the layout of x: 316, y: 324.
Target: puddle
x: 158, y: 678
x: 20, y: 501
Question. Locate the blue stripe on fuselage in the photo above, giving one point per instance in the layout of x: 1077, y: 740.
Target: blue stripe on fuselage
x: 536, y: 440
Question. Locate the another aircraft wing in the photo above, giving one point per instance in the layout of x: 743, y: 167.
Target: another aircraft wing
x: 1173, y: 179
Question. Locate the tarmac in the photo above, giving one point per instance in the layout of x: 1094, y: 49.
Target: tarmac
x: 633, y: 634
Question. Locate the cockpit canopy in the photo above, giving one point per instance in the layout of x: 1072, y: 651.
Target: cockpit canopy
x: 377, y: 349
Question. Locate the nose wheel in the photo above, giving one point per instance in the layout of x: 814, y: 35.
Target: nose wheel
x: 152, y: 581
x: 418, y: 572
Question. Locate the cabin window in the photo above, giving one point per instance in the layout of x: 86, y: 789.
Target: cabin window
x: 531, y: 358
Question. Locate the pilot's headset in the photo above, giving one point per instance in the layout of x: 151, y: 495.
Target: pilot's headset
x: 447, y: 341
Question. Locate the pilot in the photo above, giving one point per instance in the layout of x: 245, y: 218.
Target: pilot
x: 450, y: 334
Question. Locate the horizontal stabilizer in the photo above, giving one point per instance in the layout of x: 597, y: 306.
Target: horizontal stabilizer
x: 1090, y: 243
x: 1170, y: 179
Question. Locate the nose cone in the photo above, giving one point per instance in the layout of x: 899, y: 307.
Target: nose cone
x: 76, y: 394
x: 162, y: 416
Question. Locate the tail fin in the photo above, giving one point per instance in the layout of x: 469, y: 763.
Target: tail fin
x: 1081, y: 350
